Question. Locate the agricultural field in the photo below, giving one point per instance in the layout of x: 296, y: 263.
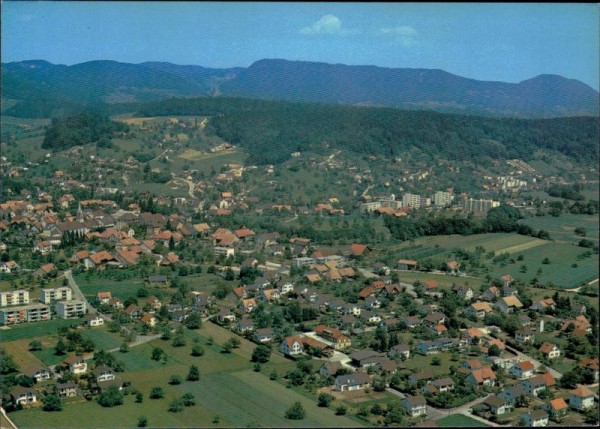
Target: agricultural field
x: 562, y: 228
x: 90, y: 284
x: 35, y: 330
x: 103, y: 339
x: 460, y: 421
x: 560, y: 271
x: 497, y: 242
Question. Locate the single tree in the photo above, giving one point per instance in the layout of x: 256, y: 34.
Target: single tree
x: 193, y: 374
x: 51, y: 403
x: 324, y: 399
x: 157, y: 392
x: 295, y: 412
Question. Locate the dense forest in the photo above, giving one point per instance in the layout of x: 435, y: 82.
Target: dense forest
x: 271, y: 131
x: 81, y: 129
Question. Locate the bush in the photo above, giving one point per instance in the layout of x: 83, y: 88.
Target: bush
x: 324, y: 399
x: 111, y: 397
x: 157, y: 393
x: 295, y: 412
x: 142, y: 421
x: 193, y: 374
x: 175, y: 379
x: 261, y: 354
x: 176, y: 406
x: 197, y: 350
x: 341, y: 410
x: 52, y: 403
x: 188, y: 399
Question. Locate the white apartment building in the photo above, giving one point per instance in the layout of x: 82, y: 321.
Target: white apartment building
x: 70, y: 309
x: 28, y: 313
x: 15, y: 297
x: 58, y: 294
x: 442, y: 199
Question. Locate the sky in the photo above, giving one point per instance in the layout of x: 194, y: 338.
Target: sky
x: 498, y: 41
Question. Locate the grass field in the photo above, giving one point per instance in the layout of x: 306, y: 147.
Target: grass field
x: 559, y: 272
x: 444, y: 281
x: 102, y: 338
x: 251, y: 399
x: 34, y: 330
x: 459, y: 420
x: 562, y: 227
x: 121, y: 289
x: 497, y: 242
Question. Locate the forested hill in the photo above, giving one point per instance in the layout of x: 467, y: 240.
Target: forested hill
x: 271, y: 130
x: 42, y: 89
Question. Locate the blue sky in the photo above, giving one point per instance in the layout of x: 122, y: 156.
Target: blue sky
x: 501, y: 42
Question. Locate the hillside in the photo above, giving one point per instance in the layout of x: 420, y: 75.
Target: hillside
x: 44, y: 89
x: 271, y: 131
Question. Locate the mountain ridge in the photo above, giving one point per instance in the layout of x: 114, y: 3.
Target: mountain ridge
x: 112, y: 82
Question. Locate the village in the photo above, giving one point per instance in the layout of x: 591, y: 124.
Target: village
x: 444, y: 345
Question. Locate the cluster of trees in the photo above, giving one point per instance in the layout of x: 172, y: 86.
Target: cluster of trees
x: 81, y: 129
x: 499, y: 219
x: 569, y: 192
x: 271, y: 130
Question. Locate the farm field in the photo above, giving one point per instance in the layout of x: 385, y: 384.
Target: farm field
x: 559, y: 272
x: 102, y: 338
x: 444, y: 281
x: 250, y: 399
x: 497, y: 242
x: 459, y: 420
x: 562, y: 227
x: 34, y: 330
x: 93, y: 284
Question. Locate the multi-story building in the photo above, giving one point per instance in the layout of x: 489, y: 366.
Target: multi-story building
x: 28, y: 313
x: 15, y: 297
x: 442, y: 198
x: 70, y: 309
x: 59, y: 294
x: 411, y: 200
x: 480, y: 206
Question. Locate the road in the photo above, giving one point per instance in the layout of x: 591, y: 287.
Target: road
x: 190, y: 184
x: 437, y: 413
x: 77, y: 294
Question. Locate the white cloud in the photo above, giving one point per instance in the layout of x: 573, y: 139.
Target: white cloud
x: 404, y: 34
x: 328, y: 24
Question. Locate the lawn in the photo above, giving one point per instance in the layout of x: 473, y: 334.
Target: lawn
x: 36, y: 329
x: 103, y: 339
x: 559, y: 272
x: 460, y: 420
x: 251, y: 399
x: 419, y: 363
x: 562, y: 228
x: 93, y: 284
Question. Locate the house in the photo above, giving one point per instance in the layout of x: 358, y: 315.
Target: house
x: 334, y: 335
x: 133, y: 311
x: 45, y: 270
x: 512, y: 393
x: 149, y: 320
x: 66, y: 390
x: 472, y: 364
x: 75, y: 365
x: 292, y: 346
x: 9, y: 267
x: 438, y: 330
x: 435, y: 319
x: 366, y: 358
x: 103, y: 297
x: 390, y: 366
x: 420, y: 377
x: 491, y: 293
x: 524, y: 335
x: 536, y: 384
x: 412, y: 322
x: 415, y: 406
x: 427, y: 347
x: 509, y: 304
x: 248, y: 305
x: 330, y: 369
x: 93, y: 320
x: 41, y: 374
x: 522, y: 370
x: 23, y: 395
x: 551, y: 351
x: 590, y: 367
x: 355, y: 381
x: 543, y: 305
x: 440, y: 385
x: 581, y: 398
x: 407, y: 264
x: 464, y: 292
x: 536, y: 418
x: 103, y: 373
x: 244, y: 325
x: 452, y: 267
x: 399, y: 350
x: 478, y: 309
x: 498, y: 405
x: 263, y: 335
x: 557, y: 408
x: 482, y: 377
x: 473, y: 335
x: 226, y: 316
